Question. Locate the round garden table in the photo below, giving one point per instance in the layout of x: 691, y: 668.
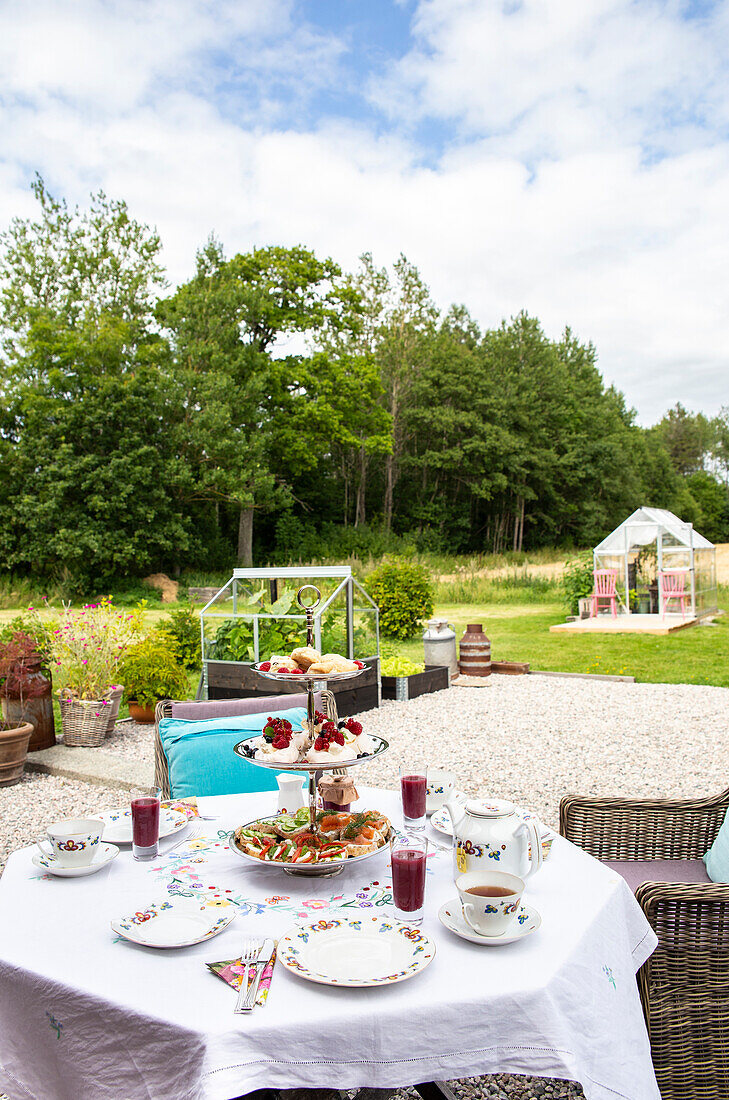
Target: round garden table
x: 87, y: 1016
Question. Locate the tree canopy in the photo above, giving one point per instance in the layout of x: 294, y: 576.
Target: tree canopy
x: 144, y: 430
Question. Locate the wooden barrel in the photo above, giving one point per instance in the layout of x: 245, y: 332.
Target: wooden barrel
x: 474, y: 657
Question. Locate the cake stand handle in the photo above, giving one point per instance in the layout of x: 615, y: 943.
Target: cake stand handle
x: 309, y: 609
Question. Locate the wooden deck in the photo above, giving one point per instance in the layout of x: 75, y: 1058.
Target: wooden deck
x: 625, y: 624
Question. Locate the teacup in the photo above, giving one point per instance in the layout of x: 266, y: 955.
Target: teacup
x: 489, y: 900
x: 73, y: 843
x: 440, y: 785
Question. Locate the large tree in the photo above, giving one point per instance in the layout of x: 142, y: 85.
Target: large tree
x: 88, y: 402
x: 244, y: 405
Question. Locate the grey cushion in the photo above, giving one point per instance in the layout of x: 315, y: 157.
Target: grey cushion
x: 659, y: 870
x: 232, y: 708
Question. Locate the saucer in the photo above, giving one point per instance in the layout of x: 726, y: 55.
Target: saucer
x: 173, y: 922
x: 527, y: 921
x: 105, y: 854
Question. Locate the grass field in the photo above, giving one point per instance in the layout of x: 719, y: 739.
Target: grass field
x: 516, y: 612
x: 520, y: 632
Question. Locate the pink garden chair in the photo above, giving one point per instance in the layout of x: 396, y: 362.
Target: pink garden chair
x: 673, y: 587
x: 605, y: 589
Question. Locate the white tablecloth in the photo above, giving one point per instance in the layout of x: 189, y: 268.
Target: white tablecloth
x: 87, y: 1016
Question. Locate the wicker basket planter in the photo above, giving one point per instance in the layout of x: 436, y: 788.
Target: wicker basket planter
x: 115, y: 697
x: 84, y: 721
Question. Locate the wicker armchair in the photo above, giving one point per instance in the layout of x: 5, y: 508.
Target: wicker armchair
x: 200, y: 710
x: 684, y: 985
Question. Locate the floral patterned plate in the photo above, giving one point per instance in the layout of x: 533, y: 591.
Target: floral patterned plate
x: 174, y: 922
x: 118, y: 823
x: 356, y: 953
x: 451, y: 917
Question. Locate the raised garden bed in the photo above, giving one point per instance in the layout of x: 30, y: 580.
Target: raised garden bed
x: 435, y: 678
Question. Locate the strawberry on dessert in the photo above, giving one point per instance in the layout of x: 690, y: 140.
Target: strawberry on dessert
x: 330, y: 745
x: 361, y: 742
x: 265, y: 666
x: 279, y: 742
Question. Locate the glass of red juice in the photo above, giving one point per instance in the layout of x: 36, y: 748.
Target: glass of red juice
x: 408, y: 852
x: 145, y: 822
x: 413, y: 788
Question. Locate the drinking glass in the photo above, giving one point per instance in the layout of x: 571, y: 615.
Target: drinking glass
x: 145, y: 822
x: 413, y: 789
x: 407, y: 857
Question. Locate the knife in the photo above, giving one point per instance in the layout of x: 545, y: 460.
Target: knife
x: 264, y: 958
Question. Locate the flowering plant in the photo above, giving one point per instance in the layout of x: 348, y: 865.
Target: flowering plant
x: 88, y: 645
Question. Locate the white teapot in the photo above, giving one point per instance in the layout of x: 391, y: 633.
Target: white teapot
x: 488, y: 836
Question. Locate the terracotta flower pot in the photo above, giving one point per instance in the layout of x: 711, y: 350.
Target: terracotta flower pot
x: 145, y: 715
x: 13, y: 750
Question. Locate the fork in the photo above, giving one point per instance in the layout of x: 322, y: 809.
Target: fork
x: 249, y: 954
x: 196, y: 833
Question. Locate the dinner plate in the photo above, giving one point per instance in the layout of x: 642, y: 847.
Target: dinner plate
x: 118, y: 823
x: 173, y: 922
x: 527, y: 920
x: 104, y: 856
x: 356, y: 953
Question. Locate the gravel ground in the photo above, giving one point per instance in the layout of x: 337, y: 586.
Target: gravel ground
x: 532, y: 739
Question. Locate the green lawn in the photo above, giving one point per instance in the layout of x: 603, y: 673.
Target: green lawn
x: 520, y: 632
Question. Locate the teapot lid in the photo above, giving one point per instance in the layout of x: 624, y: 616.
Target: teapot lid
x: 488, y: 807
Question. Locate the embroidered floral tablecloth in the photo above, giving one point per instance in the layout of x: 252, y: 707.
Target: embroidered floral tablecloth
x: 89, y: 1016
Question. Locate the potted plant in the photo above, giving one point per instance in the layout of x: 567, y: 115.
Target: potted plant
x: 13, y: 751
x: 86, y: 650
x: 150, y: 672
x: 25, y: 690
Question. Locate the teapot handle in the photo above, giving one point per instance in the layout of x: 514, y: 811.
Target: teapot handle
x: 535, y: 843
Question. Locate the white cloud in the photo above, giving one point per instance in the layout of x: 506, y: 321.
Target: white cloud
x: 585, y: 177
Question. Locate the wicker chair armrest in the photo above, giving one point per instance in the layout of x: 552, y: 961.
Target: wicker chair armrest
x: 628, y: 828
x: 691, y: 921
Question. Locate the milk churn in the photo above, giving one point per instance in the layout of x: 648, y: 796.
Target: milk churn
x: 475, y: 652
x: 36, y: 706
x: 439, y: 642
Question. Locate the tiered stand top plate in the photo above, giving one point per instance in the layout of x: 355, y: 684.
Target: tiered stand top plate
x: 304, y: 677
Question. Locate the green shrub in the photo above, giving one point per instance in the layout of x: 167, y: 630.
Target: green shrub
x: 578, y: 580
x: 182, y: 630
x: 149, y: 672
x: 404, y: 595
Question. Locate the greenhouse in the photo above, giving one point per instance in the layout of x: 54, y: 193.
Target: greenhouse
x: 255, y: 614
x: 649, y: 549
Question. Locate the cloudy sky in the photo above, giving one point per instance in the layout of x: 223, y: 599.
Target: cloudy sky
x: 568, y: 157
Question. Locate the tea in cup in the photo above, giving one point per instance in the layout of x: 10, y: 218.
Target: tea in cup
x: 489, y: 900
x: 440, y: 784
x: 73, y: 843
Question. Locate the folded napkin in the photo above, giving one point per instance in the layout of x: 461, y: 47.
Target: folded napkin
x: 186, y: 806
x: 233, y: 970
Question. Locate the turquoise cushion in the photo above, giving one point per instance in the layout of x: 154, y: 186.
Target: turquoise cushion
x: 201, y: 758
x: 717, y: 857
